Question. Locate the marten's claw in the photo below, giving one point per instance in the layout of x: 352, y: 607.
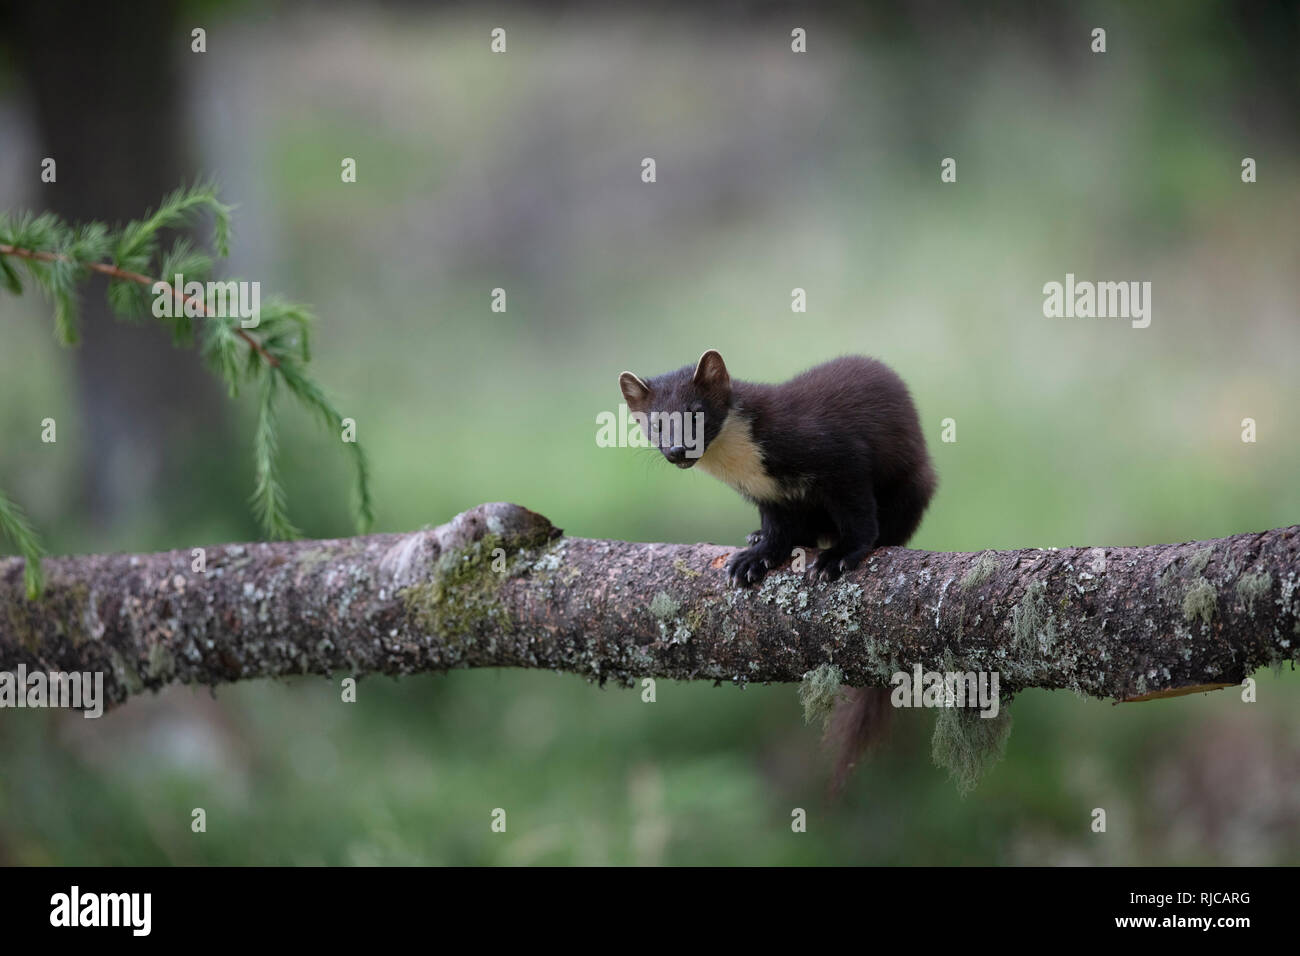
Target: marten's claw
x: 833, y: 562
x: 826, y: 567
x: 755, y: 537
x: 749, y: 566
x: 824, y: 573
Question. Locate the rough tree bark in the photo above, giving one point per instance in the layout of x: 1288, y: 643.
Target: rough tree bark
x: 500, y: 587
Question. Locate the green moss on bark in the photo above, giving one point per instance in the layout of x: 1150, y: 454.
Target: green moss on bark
x: 462, y: 597
x: 60, y: 611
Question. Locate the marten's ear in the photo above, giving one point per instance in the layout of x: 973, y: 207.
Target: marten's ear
x: 711, y: 373
x: 635, y: 391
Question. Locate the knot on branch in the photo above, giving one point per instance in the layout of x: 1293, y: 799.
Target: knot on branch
x: 450, y: 577
x: 512, y: 528
x: 516, y: 527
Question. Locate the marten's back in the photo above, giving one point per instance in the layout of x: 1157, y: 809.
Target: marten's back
x: 849, y: 416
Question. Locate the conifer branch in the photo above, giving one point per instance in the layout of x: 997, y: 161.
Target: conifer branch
x: 114, y: 272
x: 58, y: 256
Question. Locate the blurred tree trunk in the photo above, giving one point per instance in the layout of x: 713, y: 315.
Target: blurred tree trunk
x: 104, y: 83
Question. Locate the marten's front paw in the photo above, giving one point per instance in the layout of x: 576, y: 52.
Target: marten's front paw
x: 755, y: 537
x: 751, y: 565
x: 833, y: 562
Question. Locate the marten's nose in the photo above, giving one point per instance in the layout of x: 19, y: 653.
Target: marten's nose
x: 676, y: 454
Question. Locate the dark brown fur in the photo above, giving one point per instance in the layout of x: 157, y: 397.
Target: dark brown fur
x: 833, y: 456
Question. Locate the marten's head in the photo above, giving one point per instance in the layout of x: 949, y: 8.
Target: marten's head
x: 681, y: 412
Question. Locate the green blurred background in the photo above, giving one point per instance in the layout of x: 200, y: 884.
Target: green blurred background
x: 775, y: 171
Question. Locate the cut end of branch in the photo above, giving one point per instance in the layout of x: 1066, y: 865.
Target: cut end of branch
x: 1177, y: 692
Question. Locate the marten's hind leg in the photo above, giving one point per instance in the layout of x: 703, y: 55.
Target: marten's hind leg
x: 901, y: 507
x: 856, y: 532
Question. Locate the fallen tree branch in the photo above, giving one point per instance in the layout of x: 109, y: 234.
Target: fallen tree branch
x: 500, y: 587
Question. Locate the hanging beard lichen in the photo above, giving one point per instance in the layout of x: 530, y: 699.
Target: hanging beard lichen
x: 818, y: 691
x: 967, y: 745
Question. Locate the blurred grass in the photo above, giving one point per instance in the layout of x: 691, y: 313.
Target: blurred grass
x: 475, y: 175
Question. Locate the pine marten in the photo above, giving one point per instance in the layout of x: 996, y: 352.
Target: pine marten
x: 833, y: 458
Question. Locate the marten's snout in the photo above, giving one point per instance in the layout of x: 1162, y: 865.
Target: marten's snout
x: 677, y: 455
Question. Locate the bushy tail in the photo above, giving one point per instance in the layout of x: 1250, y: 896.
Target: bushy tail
x: 860, y: 721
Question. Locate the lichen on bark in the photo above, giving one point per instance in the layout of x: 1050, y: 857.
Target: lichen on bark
x: 500, y: 587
